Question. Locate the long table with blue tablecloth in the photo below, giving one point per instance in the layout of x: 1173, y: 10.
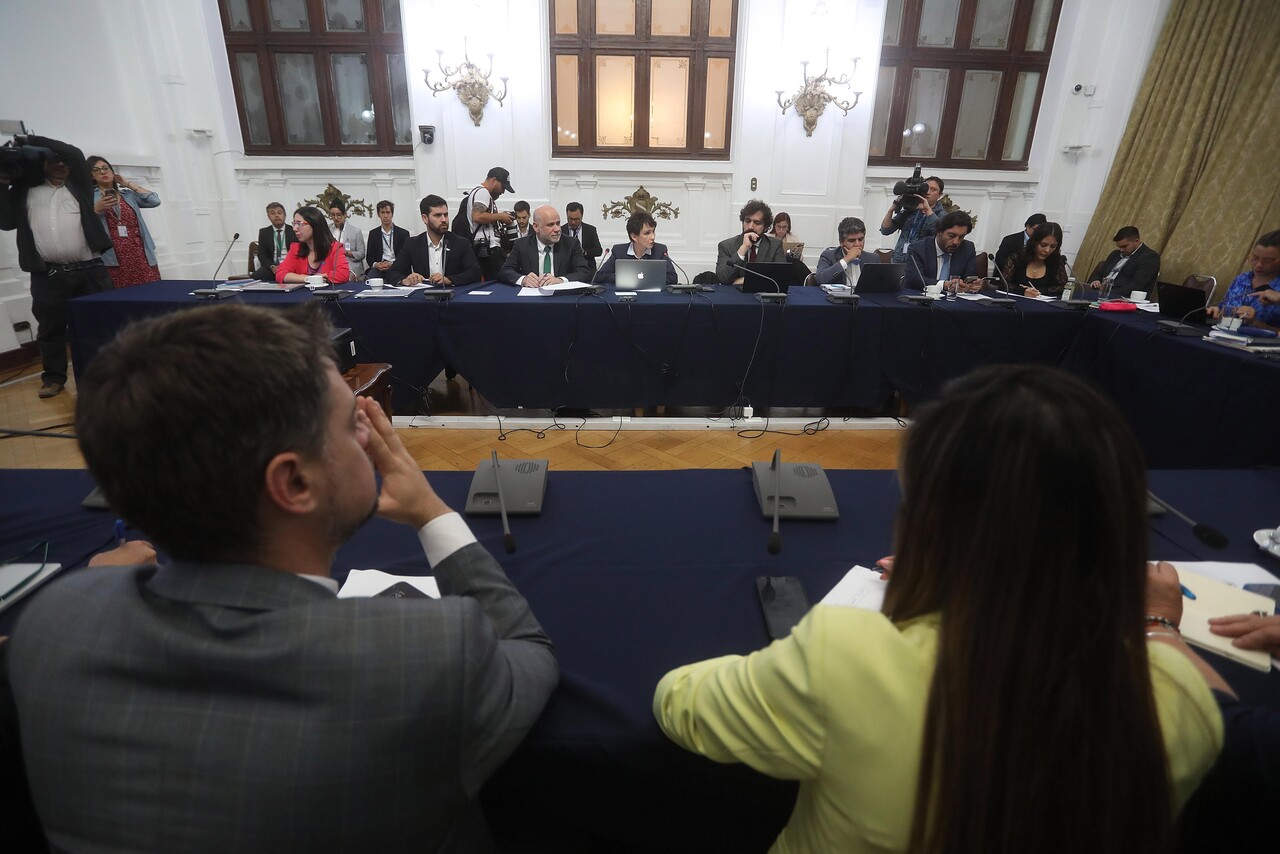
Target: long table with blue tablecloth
x: 631, y: 574
x: 1185, y: 398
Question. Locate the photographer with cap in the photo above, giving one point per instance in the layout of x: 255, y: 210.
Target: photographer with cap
x: 482, y: 218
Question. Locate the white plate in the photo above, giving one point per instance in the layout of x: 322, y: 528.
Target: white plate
x: 1263, y: 538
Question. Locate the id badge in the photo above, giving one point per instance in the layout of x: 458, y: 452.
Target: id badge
x: 122, y: 230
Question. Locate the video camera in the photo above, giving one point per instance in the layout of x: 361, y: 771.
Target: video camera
x: 909, y: 194
x: 18, y: 156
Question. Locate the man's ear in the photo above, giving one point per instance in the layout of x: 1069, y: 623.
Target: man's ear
x: 289, y: 483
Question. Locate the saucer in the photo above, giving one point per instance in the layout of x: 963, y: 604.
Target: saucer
x: 1263, y: 538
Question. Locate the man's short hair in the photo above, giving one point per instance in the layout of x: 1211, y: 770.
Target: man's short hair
x: 1270, y: 240
x: 275, y: 206
x: 521, y: 205
x: 339, y: 204
x: 179, y: 441
x: 754, y: 207
x: 638, y: 220
x: 850, y: 225
x: 953, y: 219
x: 572, y: 207
x: 431, y: 201
x: 1129, y: 232
x: 1035, y: 219
x: 942, y: 185
x: 385, y: 204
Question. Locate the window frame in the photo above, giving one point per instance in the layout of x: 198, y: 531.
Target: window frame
x: 906, y: 57
x: 586, y: 44
x: 321, y: 45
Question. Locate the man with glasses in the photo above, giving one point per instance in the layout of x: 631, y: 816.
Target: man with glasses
x: 60, y: 243
x: 749, y: 246
x: 274, y: 241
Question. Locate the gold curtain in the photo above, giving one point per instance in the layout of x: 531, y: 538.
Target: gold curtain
x: 1198, y: 169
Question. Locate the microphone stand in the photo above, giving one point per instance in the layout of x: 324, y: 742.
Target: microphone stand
x: 687, y: 287
x: 508, y: 541
x: 1211, y: 537
x: 775, y: 538
x: 778, y: 294
x: 214, y: 279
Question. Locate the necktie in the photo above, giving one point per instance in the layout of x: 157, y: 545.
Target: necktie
x: 546, y: 260
x: 751, y: 254
x: 279, y: 244
x: 945, y: 273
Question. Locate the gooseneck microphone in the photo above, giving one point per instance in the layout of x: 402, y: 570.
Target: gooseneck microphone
x: 603, y: 258
x: 775, y: 538
x: 1211, y: 537
x: 218, y: 269
x: 508, y: 541
x: 923, y: 284
x: 688, y: 285
x: 777, y: 288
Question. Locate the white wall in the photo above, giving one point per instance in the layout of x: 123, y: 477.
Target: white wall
x: 147, y: 85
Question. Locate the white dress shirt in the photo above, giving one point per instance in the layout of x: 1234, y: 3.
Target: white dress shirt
x: 54, y: 215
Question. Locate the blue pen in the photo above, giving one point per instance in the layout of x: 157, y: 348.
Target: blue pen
x: 120, y: 538
x: 1186, y: 592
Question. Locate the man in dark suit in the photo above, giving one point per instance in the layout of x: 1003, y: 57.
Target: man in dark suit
x: 842, y: 265
x: 751, y: 245
x: 385, y: 242
x: 946, y: 256
x: 273, y: 243
x: 1012, y: 244
x: 583, y: 233
x: 437, y: 256
x: 1133, y: 266
x: 228, y: 700
x: 543, y: 258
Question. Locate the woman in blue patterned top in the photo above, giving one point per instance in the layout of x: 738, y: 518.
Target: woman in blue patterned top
x: 1254, y: 296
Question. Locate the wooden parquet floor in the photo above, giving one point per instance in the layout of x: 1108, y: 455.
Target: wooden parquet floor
x: 441, y: 449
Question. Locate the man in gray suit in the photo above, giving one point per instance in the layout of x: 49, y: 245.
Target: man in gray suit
x: 228, y: 701
x: 842, y: 265
x: 751, y: 245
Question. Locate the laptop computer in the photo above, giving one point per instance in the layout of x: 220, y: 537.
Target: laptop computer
x: 756, y: 279
x: 880, y: 278
x: 631, y: 274
x: 1178, y: 301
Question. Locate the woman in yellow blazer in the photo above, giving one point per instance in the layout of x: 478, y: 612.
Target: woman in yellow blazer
x: 1013, y: 695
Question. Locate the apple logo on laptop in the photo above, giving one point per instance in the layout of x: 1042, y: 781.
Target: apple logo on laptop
x: 639, y: 275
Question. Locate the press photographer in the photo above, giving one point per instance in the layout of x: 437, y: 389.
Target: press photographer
x: 914, y: 213
x: 479, y: 220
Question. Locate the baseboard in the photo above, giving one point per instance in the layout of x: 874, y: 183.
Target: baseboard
x: 26, y: 354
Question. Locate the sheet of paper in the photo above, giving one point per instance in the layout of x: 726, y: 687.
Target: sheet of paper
x: 362, y: 583
x: 384, y: 293
x: 531, y: 292
x: 479, y: 293
x: 19, y: 579
x: 1215, y: 598
x: 860, y: 588
x: 1148, y: 306
x: 972, y: 296
x: 1235, y: 574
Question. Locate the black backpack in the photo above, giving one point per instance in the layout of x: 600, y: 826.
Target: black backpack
x: 461, y: 225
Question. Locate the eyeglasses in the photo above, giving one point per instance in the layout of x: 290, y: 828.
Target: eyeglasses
x: 100, y: 169
x: 299, y: 223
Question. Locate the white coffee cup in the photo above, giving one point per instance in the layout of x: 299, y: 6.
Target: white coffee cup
x: 376, y: 284
x: 934, y: 290
x: 1138, y: 296
x: 315, y: 281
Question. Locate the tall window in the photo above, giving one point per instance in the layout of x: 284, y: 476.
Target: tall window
x: 319, y: 76
x: 642, y: 78
x: 961, y: 80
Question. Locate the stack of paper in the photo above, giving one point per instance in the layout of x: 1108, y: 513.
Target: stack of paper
x: 362, y: 583
x: 1216, y: 598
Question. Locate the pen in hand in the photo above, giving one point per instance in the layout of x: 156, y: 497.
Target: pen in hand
x: 120, y: 536
x: 1186, y: 592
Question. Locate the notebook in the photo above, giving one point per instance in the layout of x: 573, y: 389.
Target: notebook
x: 1217, y: 599
x: 639, y: 275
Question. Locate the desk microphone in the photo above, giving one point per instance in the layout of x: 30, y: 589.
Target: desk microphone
x: 1211, y: 537
x: 508, y: 541
x: 603, y: 258
x: 775, y: 538
x: 218, y: 270
x: 688, y: 285
x: 777, y: 288
x: 921, y: 298
x: 919, y: 272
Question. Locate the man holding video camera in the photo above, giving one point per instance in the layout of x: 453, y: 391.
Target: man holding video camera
x: 914, y: 213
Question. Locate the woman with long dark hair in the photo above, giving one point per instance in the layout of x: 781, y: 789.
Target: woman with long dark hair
x: 1038, y: 267
x: 1012, y: 695
x: 315, y: 253
x: 118, y: 201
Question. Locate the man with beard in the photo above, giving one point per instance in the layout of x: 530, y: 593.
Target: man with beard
x: 543, y: 258
x: 227, y: 700
x: 436, y: 256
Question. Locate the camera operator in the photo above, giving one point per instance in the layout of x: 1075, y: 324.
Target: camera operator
x: 919, y: 222
x: 61, y: 239
x: 487, y: 222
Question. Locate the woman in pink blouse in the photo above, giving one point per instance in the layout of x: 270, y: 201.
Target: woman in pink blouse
x: 315, y: 253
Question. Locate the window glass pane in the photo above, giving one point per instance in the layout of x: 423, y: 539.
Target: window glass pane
x: 1041, y: 17
x: 391, y: 16
x: 892, y: 23
x: 721, y: 24
x: 616, y: 17
x: 238, y: 15
x: 977, y: 112
x: 717, y: 108
x: 924, y: 112
x: 289, y: 16
x: 255, y: 110
x: 1020, y: 115
x: 566, y: 99
x: 884, y: 103
x: 668, y: 101
x: 566, y: 17
x: 615, y: 100
x: 398, y: 83
x: 991, y: 25
x: 296, y: 75
x: 938, y: 23
x: 355, y: 102
x: 344, y: 16
x: 671, y: 18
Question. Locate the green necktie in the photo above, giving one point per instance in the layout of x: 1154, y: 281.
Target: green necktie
x: 279, y: 244
x: 546, y: 260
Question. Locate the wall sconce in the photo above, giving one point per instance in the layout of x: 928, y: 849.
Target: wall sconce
x: 811, y: 99
x: 472, y: 85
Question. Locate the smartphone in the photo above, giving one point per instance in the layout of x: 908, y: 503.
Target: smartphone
x: 1271, y: 591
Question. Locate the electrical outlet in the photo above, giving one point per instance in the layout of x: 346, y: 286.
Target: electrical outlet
x: 753, y: 185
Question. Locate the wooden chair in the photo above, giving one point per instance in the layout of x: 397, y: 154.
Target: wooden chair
x: 372, y: 379
x: 1208, y: 284
x: 253, y: 256
x: 885, y: 256
x: 982, y: 264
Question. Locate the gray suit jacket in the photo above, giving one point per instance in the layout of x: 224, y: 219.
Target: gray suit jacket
x: 829, y: 270
x: 767, y: 249
x: 217, y: 708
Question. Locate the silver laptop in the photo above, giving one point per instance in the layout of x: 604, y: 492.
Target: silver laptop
x: 630, y: 274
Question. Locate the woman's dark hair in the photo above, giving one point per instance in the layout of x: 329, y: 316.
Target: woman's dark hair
x: 1055, y: 266
x: 94, y: 160
x: 1023, y: 525
x: 321, y: 240
x: 781, y: 216
x: 637, y: 221
x: 339, y: 204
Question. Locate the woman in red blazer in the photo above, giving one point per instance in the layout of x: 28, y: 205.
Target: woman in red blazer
x: 315, y: 253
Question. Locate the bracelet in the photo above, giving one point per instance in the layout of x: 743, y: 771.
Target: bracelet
x: 1151, y: 620
x: 1163, y: 635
